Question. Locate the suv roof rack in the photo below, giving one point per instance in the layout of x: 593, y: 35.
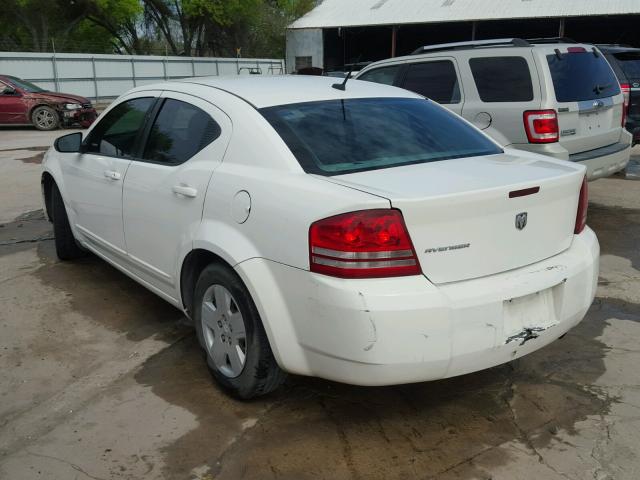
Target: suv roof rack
x: 616, y: 45
x: 551, y: 40
x: 498, y: 42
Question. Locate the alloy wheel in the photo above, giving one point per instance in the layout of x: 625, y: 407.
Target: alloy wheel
x: 225, y: 336
x: 45, y: 119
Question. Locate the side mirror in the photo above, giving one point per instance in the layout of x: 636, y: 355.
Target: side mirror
x: 8, y: 90
x: 71, y: 143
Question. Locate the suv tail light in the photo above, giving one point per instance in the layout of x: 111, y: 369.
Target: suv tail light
x: 541, y: 126
x: 363, y: 244
x: 626, y: 92
x: 583, y: 203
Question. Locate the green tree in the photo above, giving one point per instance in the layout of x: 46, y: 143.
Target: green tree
x: 121, y: 19
x: 33, y: 24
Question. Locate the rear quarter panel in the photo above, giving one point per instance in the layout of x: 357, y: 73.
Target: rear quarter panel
x: 284, y: 199
x: 507, y: 126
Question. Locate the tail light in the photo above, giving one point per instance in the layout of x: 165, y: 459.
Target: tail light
x: 541, y: 126
x: 626, y: 92
x: 363, y: 244
x: 583, y: 203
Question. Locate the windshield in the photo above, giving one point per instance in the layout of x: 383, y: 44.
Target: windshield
x: 24, y: 85
x: 630, y: 63
x: 344, y: 136
x: 582, y: 76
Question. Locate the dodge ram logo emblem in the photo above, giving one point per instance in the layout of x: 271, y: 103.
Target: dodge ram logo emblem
x: 521, y: 220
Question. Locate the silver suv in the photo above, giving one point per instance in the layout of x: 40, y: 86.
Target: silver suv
x: 546, y: 96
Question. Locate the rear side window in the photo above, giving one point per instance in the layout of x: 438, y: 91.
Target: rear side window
x: 116, y: 134
x: 435, y: 80
x: 179, y: 132
x: 502, y: 79
x: 582, y: 76
x: 630, y: 64
x: 336, y: 137
x: 385, y: 75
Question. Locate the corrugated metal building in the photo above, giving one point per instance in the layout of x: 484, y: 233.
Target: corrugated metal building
x: 338, y: 32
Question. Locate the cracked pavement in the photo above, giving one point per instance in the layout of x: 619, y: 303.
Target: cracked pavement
x: 100, y: 379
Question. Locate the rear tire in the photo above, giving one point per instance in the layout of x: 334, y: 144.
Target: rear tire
x: 231, y: 334
x: 45, y: 118
x: 66, y: 246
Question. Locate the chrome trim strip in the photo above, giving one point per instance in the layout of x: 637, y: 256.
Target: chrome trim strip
x: 362, y: 265
x: 361, y: 255
x: 596, y: 105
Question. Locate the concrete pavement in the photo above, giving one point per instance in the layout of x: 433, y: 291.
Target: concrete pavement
x: 101, y: 379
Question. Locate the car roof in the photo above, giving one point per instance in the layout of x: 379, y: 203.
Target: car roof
x: 268, y: 91
x: 479, y: 50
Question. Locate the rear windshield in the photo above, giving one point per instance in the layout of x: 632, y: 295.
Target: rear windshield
x: 24, y: 85
x: 335, y: 137
x: 582, y: 76
x: 630, y: 64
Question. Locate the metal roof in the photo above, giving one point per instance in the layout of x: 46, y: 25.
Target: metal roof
x: 351, y: 13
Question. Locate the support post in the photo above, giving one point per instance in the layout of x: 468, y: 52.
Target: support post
x: 95, y: 78
x: 54, y: 64
x: 394, y: 40
x: 561, y: 28
x: 133, y: 72
x: 474, y: 28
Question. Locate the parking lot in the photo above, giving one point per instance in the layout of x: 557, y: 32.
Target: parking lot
x: 101, y: 379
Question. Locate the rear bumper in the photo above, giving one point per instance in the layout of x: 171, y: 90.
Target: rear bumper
x: 601, y: 162
x: 633, y: 127
x: 605, y: 161
x: 403, y: 330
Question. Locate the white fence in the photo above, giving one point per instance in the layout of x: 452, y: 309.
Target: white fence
x: 108, y: 76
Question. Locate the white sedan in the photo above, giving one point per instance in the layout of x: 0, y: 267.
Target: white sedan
x: 364, y: 235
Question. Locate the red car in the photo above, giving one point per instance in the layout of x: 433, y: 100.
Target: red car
x: 23, y: 103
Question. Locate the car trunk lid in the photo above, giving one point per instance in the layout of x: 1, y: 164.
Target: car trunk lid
x: 461, y: 218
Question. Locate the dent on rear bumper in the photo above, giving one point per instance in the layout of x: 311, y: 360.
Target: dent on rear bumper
x: 402, y: 330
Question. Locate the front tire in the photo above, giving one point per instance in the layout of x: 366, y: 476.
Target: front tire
x: 231, y: 334
x: 45, y: 118
x: 66, y: 246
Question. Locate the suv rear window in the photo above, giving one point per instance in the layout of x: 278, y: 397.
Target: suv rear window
x: 582, y: 76
x: 502, y: 79
x: 630, y: 64
x: 335, y: 137
x: 435, y: 80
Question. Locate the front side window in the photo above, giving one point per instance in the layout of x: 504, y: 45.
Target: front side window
x: 435, y: 80
x: 579, y: 76
x: 336, y: 137
x: 116, y: 134
x: 502, y: 79
x: 179, y: 132
x: 385, y: 75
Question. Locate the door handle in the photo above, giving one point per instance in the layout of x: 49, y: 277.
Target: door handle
x: 112, y: 175
x: 185, y: 191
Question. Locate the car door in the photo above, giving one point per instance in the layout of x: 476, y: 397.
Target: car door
x: 12, y: 108
x: 164, y: 190
x: 437, y: 79
x: 93, y: 178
